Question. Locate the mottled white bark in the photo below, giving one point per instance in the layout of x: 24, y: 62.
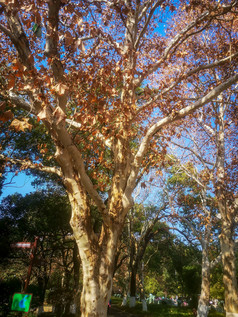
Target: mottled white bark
x: 202, y: 310
x: 144, y: 305
x: 132, y: 302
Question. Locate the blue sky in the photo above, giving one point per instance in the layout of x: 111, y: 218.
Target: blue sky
x: 20, y: 184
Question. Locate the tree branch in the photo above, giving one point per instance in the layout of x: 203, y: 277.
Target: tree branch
x: 26, y: 164
x: 173, y: 117
x: 19, y: 39
x: 51, y: 49
x: 179, y: 38
x: 21, y: 103
x: 143, y: 30
x: 185, y: 76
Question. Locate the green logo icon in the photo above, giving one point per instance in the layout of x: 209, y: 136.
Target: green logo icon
x: 21, y: 302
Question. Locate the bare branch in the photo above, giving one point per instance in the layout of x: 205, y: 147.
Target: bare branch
x: 19, y: 39
x: 196, y: 154
x: 216, y: 261
x: 7, y: 32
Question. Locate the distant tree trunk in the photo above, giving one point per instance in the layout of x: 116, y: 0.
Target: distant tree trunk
x: 133, y: 287
x: 42, y: 283
x: 203, y: 303
x: 143, y: 300
x: 77, y: 291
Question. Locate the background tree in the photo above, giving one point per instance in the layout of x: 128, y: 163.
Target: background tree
x: 144, y: 225
x: 46, y: 215
x: 215, y: 129
x: 197, y: 212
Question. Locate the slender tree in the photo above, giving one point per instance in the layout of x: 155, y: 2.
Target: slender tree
x: 211, y: 146
x: 144, y: 226
x: 198, y: 218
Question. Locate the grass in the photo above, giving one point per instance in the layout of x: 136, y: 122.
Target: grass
x: 155, y: 310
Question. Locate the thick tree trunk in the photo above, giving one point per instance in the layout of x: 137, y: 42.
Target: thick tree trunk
x: 226, y: 207
x: 93, y: 301
x: 203, y: 302
x: 97, y: 254
x: 97, y: 283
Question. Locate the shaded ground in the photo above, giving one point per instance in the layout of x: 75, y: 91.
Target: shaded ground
x: 115, y: 312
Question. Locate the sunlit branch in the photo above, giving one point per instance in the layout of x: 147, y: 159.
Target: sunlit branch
x: 189, y: 174
x: 212, y: 65
x: 78, y: 125
x: 51, y: 48
x: 185, y: 76
x: 163, y: 123
x: 79, y: 165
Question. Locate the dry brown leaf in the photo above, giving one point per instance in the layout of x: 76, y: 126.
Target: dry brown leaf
x: 59, y: 115
x: 7, y: 115
x: 21, y: 125
x: 60, y: 89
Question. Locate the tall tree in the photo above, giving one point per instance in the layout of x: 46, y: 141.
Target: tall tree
x: 102, y: 79
x: 211, y: 146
